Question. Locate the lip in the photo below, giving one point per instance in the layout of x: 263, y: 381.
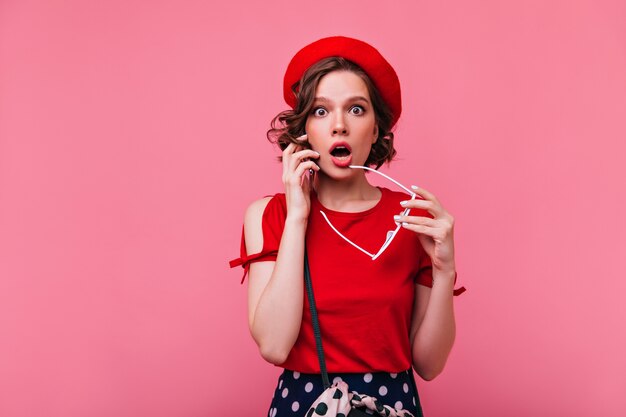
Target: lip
x: 341, y: 162
x: 341, y: 143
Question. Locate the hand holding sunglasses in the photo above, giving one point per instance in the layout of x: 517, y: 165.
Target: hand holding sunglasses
x: 436, y: 235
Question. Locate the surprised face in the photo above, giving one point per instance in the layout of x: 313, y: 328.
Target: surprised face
x: 342, y: 124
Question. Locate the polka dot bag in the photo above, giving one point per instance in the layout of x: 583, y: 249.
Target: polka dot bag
x: 336, y: 401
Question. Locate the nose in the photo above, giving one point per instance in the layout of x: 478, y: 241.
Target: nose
x: 339, y: 125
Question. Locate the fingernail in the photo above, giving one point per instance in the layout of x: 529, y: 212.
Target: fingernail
x: 403, y: 203
x: 396, y: 217
x: 415, y: 187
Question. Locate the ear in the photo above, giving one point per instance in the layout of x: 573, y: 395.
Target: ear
x: 375, y: 134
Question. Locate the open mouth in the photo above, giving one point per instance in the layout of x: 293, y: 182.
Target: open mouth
x: 341, y: 154
x: 340, y: 150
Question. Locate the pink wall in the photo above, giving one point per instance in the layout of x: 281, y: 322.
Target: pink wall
x: 132, y: 139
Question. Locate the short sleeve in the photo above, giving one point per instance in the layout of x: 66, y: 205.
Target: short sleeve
x: 424, y: 274
x: 273, y: 224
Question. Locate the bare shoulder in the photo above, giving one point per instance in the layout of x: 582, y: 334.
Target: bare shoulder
x: 253, y: 224
x: 254, y: 212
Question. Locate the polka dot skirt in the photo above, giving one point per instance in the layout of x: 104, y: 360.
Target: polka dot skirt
x: 295, y: 391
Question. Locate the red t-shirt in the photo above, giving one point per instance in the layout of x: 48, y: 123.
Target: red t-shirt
x: 364, y: 305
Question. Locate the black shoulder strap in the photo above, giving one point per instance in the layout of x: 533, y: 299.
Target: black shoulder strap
x: 316, y: 324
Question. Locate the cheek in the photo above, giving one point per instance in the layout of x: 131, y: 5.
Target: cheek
x: 314, y: 133
x: 366, y: 151
x: 309, y: 128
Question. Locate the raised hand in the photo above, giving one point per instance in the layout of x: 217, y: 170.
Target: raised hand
x: 436, y: 234
x: 297, y: 180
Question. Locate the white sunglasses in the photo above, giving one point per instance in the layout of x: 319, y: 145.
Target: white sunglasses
x: 391, y: 234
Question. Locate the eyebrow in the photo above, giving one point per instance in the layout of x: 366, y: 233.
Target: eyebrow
x: 354, y: 98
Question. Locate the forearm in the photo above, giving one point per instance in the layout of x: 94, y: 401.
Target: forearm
x: 278, y: 314
x: 434, y: 339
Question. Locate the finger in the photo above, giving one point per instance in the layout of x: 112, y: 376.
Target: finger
x: 303, y: 175
x: 302, y: 138
x: 422, y: 229
x: 289, y: 149
x: 299, y: 156
x: 424, y: 193
x: 285, y: 156
x: 417, y: 220
x: 430, y: 206
x: 295, y: 177
x: 306, y: 153
x: 288, y: 155
x: 305, y: 166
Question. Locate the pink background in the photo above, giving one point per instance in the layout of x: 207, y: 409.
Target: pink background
x: 132, y: 138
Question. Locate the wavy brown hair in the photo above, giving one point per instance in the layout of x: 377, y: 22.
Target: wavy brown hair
x: 288, y: 125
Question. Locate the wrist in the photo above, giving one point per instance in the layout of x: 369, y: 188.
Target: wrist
x: 444, y: 275
x: 296, y: 220
x: 445, y: 269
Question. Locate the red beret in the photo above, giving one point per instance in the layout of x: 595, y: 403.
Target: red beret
x: 363, y: 54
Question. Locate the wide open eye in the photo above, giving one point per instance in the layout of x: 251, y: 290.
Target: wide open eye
x: 360, y: 111
x: 317, y: 113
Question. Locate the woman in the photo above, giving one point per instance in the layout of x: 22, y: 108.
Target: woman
x: 383, y: 310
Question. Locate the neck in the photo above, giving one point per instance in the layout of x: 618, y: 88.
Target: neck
x: 350, y: 194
